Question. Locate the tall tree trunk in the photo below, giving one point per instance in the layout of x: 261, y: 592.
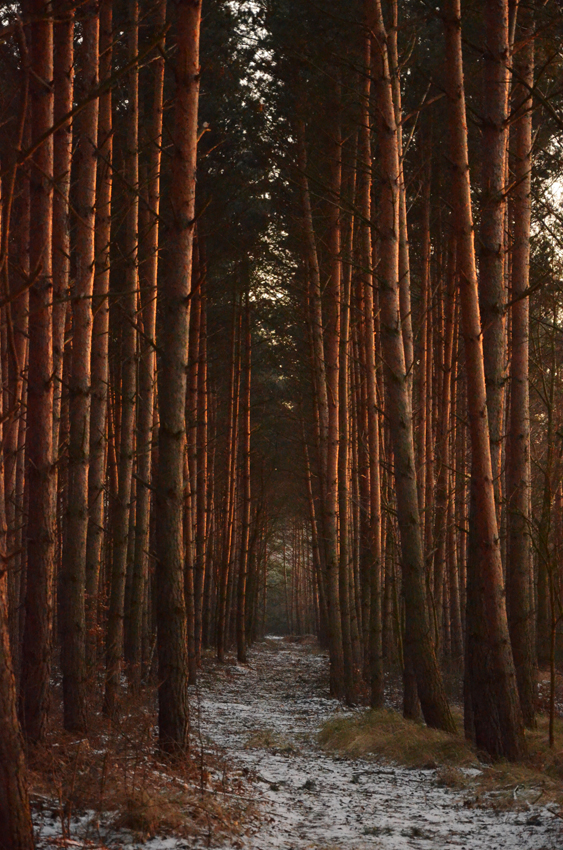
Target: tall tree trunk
x: 36, y: 649
x: 404, y: 259
x: 349, y: 645
x: 63, y: 67
x: 490, y: 674
x: 191, y: 461
x: 419, y: 637
x: 423, y: 436
x: 16, y: 828
x: 176, y: 287
x: 100, y: 337
x: 231, y: 454
x: 315, y: 301
x: 14, y: 431
x: 443, y: 446
x: 73, y: 578
x: 147, y: 362
x: 492, y: 296
x: 245, y: 474
x: 202, y: 518
x: 519, y: 567
x: 128, y: 309
x: 331, y: 349
x: 371, y: 569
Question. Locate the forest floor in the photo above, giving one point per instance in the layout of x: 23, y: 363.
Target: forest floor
x: 257, y: 729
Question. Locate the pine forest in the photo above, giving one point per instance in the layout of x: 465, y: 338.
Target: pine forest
x: 281, y: 424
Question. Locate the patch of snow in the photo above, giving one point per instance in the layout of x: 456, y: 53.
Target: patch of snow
x: 312, y: 799
x: 266, y: 722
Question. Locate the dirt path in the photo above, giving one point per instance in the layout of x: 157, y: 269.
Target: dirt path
x: 266, y: 716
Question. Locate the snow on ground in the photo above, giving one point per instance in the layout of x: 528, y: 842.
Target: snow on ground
x: 265, y: 717
x: 318, y: 800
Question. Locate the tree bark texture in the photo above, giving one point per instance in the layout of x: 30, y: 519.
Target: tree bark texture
x: 519, y: 565
x: 100, y: 336
x: 418, y: 634
x: 36, y: 649
x: 176, y: 287
x: 128, y: 312
x: 496, y: 714
x: 73, y: 577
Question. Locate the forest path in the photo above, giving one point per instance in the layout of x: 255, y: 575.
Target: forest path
x: 266, y: 716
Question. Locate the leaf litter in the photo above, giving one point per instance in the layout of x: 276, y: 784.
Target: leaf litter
x: 263, y: 720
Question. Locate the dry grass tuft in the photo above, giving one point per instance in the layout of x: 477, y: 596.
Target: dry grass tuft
x: 539, y: 778
x: 386, y: 734
x: 502, y: 785
x: 118, y: 775
x: 145, y: 813
x: 453, y: 777
x: 268, y: 739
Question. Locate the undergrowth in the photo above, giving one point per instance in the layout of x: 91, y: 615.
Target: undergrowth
x: 386, y: 734
x: 117, y: 775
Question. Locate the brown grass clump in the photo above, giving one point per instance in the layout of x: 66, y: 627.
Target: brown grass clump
x: 386, y: 734
x: 500, y: 785
x: 118, y: 774
x: 268, y: 739
x: 146, y: 814
x: 538, y: 778
x: 452, y: 777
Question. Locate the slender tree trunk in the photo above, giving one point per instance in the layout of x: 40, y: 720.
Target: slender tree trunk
x: 231, y: 455
x: 491, y: 678
x: 14, y: 432
x: 36, y: 649
x: 423, y: 435
x: 315, y: 301
x: 16, y: 828
x: 128, y: 309
x: 331, y: 349
x: 325, y: 382
x: 429, y: 679
x: 245, y: 474
x: 73, y: 578
x: 171, y: 612
x: 63, y: 82
x: 191, y: 461
x: 100, y: 337
x: 404, y: 259
x: 147, y: 362
x: 347, y: 604
x: 455, y: 550
x: 519, y: 568
x: 492, y: 296
x: 371, y: 568
x: 202, y: 518
x: 443, y: 454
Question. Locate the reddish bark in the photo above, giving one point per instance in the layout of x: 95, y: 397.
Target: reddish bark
x: 100, y: 336
x: 128, y: 310
x: 171, y: 613
x: 429, y: 679
x: 519, y: 566
x: 490, y: 674
x: 36, y: 648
